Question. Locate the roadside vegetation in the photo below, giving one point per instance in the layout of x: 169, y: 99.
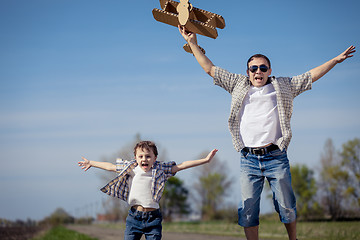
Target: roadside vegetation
x: 274, y: 230
x: 270, y: 229
x: 61, y: 233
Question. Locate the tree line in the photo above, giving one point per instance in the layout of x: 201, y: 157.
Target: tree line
x: 329, y: 191
x: 335, y: 193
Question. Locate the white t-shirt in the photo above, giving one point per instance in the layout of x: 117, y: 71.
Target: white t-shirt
x: 140, y: 190
x: 259, y: 117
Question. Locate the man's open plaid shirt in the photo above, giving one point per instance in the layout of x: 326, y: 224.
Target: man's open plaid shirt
x: 286, y: 90
x: 120, y: 187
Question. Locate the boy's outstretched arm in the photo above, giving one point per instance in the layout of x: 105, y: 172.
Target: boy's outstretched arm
x: 193, y: 163
x: 86, y: 164
x: 202, y: 59
x: 321, y: 70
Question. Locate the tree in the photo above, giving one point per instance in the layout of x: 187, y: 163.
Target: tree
x: 174, y: 199
x: 305, y: 189
x: 332, y: 182
x: 212, y: 185
x: 350, y: 163
x: 58, y: 217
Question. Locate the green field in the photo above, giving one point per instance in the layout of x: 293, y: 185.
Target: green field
x: 61, y: 233
x: 270, y: 229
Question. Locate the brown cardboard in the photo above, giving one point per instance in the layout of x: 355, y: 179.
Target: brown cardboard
x: 184, y: 8
x: 194, y: 19
x: 187, y: 48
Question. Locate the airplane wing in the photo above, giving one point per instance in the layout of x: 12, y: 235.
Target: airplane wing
x: 200, y: 21
x: 192, y: 25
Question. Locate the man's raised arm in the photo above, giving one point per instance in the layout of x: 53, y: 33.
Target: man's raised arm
x: 321, y: 70
x: 202, y: 59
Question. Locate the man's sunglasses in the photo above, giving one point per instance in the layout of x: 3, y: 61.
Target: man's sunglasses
x: 254, y: 68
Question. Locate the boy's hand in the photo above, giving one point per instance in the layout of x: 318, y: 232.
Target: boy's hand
x: 85, y: 164
x: 193, y: 163
x: 211, y: 155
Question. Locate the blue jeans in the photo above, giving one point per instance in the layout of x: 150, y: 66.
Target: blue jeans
x: 139, y: 223
x: 274, y: 166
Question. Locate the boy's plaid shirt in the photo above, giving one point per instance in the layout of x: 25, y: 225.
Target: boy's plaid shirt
x: 119, y: 187
x: 286, y: 90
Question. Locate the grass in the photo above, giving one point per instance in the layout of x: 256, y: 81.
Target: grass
x: 270, y: 229
x: 330, y: 230
x: 61, y: 233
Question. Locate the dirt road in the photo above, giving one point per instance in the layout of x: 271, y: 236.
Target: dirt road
x: 117, y: 234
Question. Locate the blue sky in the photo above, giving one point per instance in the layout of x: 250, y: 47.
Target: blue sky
x: 82, y: 77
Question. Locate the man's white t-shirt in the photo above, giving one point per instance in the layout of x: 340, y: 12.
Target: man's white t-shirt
x: 259, y: 117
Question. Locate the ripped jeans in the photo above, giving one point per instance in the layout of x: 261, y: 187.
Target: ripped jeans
x: 274, y: 166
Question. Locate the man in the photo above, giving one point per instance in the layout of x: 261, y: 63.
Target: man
x: 259, y: 123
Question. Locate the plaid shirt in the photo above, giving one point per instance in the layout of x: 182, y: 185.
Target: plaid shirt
x: 120, y: 187
x: 286, y: 90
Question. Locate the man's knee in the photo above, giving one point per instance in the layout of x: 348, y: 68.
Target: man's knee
x: 248, y: 213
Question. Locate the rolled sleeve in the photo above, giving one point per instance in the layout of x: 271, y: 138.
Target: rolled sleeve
x: 226, y: 79
x: 166, y: 168
x: 121, y: 164
x: 301, y: 83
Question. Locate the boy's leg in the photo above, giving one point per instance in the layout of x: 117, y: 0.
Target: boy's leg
x: 153, y: 227
x: 134, y: 225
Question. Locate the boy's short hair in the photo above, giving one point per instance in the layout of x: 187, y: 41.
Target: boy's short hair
x: 258, y: 56
x: 148, y: 145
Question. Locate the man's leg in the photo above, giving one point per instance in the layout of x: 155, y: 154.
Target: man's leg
x: 291, y: 230
x: 279, y: 177
x: 251, y: 185
x: 252, y: 233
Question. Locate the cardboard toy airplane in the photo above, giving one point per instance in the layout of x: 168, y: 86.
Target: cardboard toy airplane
x: 194, y: 19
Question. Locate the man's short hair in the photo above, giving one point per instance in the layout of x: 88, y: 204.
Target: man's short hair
x: 148, y: 145
x: 258, y: 55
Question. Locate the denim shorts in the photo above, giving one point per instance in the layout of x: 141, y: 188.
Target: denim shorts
x: 274, y: 166
x: 139, y: 223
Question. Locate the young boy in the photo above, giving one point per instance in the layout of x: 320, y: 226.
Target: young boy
x: 141, y: 183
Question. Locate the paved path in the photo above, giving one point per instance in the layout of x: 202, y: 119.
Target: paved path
x: 103, y: 233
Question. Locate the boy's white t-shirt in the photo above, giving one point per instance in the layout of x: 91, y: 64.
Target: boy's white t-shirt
x: 259, y: 117
x: 140, y: 189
